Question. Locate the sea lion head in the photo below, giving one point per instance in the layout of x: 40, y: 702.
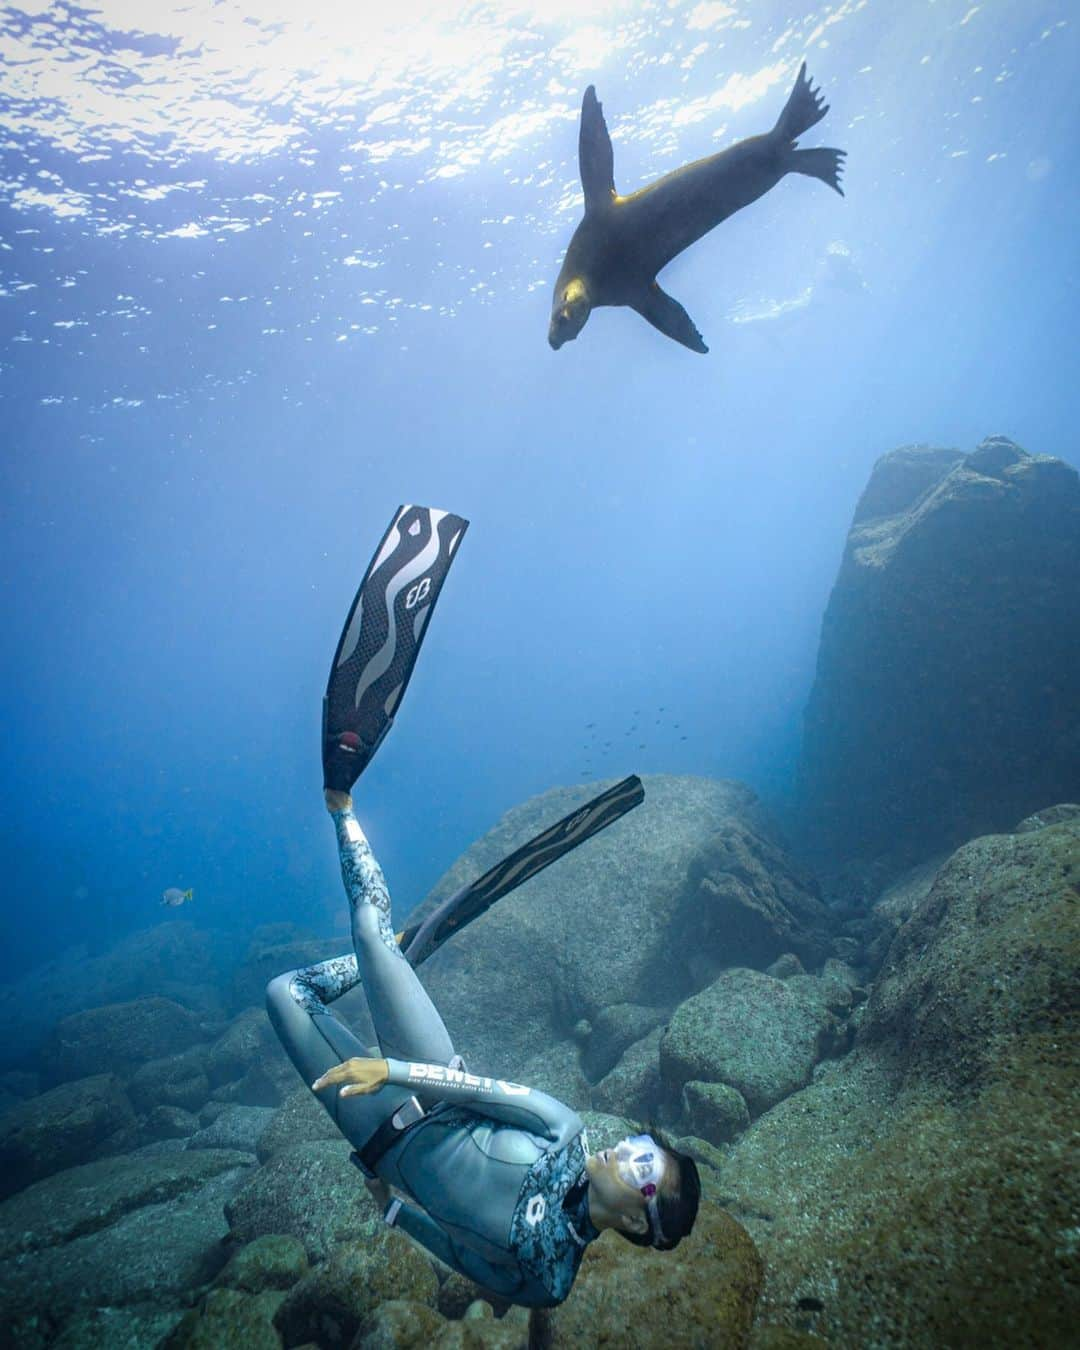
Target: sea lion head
x: 569, y: 312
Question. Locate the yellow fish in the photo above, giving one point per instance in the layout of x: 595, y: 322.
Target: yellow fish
x: 175, y: 896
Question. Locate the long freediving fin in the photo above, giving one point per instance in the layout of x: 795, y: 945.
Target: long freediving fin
x: 381, y: 639
x: 451, y: 916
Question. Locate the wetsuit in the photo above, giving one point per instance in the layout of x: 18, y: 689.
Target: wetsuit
x: 497, y: 1169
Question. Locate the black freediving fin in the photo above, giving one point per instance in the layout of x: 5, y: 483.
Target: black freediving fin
x: 596, y: 158
x: 450, y: 917
x: 669, y: 316
x: 381, y: 639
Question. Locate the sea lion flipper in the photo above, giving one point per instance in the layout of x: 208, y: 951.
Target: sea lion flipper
x: 669, y: 316
x: 596, y: 159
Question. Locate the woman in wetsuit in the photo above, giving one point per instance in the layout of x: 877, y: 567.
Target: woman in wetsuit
x: 505, y: 1191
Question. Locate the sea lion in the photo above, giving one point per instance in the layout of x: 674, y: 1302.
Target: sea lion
x: 623, y: 242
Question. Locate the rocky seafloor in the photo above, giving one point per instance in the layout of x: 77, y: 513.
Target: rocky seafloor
x: 882, y: 1106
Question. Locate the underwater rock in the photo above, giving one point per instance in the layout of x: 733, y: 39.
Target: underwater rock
x: 557, y: 1071
x: 238, y: 1127
x: 614, y: 1030
x: 785, y: 966
x: 157, y: 960
x: 330, y: 1303
x: 70, y: 1124
x: 248, y: 1039
x: 757, y: 1034
x: 939, y: 1157
x: 228, y: 1320
x: 991, y: 954
x: 1051, y: 815
x: 947, y: 681
x: 633, y: 1086
x: 701, y: 1294
x: 117, y: 1039
x: 17, y: 1085
x: 300, y: 1119
x: 522, y: 975
x: 168, y: 1122
x: 275, y: 1261
x: 399, y: 1322
x: 153, y: 1254
x: 747, y: 903
x: 714, y: 1112
x: 114, y: 1329
x: 178, y: 1080
x: 310, y: 1190
x: 86, y: 1199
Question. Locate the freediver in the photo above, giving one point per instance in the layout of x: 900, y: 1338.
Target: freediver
x: 502, y: 1185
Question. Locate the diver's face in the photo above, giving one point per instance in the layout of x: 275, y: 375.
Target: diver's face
x: 608, y: 1182
x: 568, y: 314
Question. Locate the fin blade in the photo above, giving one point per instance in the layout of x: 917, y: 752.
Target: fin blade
x: 596, y: 158
x: 419, y: 941
x: 381, y: 639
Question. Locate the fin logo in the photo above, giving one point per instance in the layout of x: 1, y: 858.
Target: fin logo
x: 535, y: 1210
x: 416, y: 593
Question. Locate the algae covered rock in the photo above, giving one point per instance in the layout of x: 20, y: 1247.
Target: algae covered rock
x: 399, y: 1324
x: 924, y: 1190
x: 747, y: 902
x: 227, y: 1320
x: 331, y: 1302
x: 118, y: 1038
x: 300, y: 1119
x: 70, y: 1124
x: 634, y: 1298
x: 275, y: 1261
x: 947, y: 678
x: 312, y: 1191
x: 747, y: 1030
x: 633, y: 1087
x: 713, y: 1111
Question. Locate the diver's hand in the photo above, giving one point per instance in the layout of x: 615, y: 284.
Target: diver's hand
x: 357, y: 1075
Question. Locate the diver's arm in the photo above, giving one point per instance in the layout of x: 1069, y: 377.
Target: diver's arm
x: 504, y: 1280
x: 512, y: 1103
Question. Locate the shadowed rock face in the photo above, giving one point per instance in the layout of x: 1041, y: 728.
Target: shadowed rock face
x: 949, y: 668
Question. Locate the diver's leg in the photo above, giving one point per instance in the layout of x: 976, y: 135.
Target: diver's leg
x: 406, y: 1021
x: 315, y: 1041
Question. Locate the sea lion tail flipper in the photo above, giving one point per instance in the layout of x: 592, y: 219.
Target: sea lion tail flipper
x: 825, y: 164
x: 596, y: 159
x: 804, y: 108
x: 669, y: 316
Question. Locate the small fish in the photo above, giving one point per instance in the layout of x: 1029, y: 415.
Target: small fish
x: 175, y: 896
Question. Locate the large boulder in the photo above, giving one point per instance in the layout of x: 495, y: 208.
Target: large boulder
x: 747, y: 903
x: 924, y: 1190
x: 312, y: 1191
x: 759, y: 1035
x: 522, y: 975
x: 701, y: 1294
x: 125, y: 1232
x: 118, y: 1038
x: 71, y: 1124
x: 174, y: 959
x: 949, y: 668
x: 329, y: 1304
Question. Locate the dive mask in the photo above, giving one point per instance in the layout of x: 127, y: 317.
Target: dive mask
x: 640, y: 1162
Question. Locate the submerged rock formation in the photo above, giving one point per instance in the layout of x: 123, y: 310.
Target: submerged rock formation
x: 923, y: 1190
x: 948, y: 680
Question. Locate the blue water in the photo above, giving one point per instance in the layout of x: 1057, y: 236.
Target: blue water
x: 267, y: 271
